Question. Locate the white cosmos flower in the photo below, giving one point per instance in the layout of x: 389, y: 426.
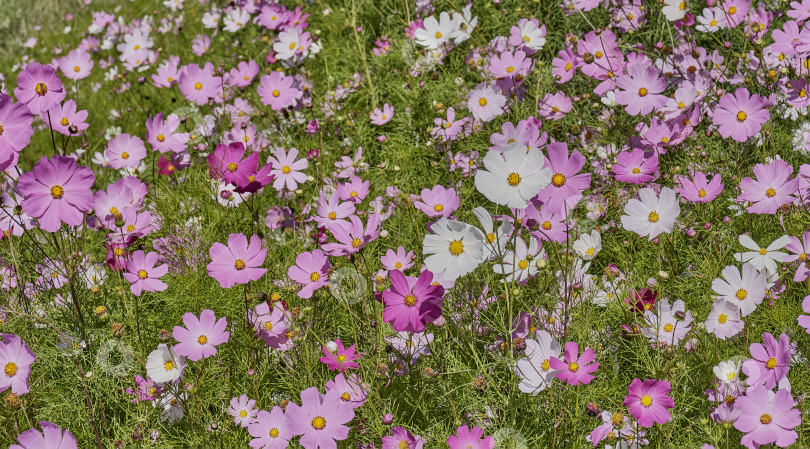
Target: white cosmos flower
x: 651, y: 215
x: 535, y: 370
x: 745, y: 287
x: 532, y: 35
x: 465, y: 24
x: 728, y: 371
x: 588, y: 245
x: 494, y: 240
x: 514, y: 177
x: 455, y: 248
x: 711, y: 20
x: 436, y: 32
x: 762, y: 258
x: 171, y: 405
x: 674, y: 9
x: 165, y: 365
x: 517, y: 264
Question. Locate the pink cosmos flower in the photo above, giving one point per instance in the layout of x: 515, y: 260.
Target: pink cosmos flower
x: 510, y: 65
x: 146, y: 389
x: 198, y: 340
x: 700, y: 190
x: 399, y: 260
x: 276, y: 90
x: 354, y: 237
x: 333, y: 212
x: 63, y: 116
x: 438, y: 202
x: 237, y: 263
x: 800, y: 250
x: 633, y: 167
x: 76, y: 65
x: 57, y: 191
x: 125, y: 150
x: 486, y: 102
x: 320, y: 419
x: 740, y: 115
x: 771, y: 189
x: 16, y: 358
x: 804, y: 320
x: 355, y: 190
x: 269, y: 321
x: 767, y: 417
x: 162, y: 136
x: 143, y: 274
x: 310, y: 271
x: 769, y: 363
x: 199, y: 84
x: 244, y: 72
x: 575, y: 369
x: 449, y: 129
x: 167, y: 74
x: 555, y: 106
x: 39, y: 88
x: 287, y: 170
x: 564, y: 66
x: 353, y: 391
x: 15, y: 121
x: 342, y: 358
x: 243, y: 410
x: 565, y: 190
x: 724, y: 319
x: 226, y: 163
x: 381, y: 117
x: 401, y: 438
x: 411, y: 303
x: 50, y: 438
x: 648, y: 401
x: 270, y: 430
x: 466, y: 438
x: 641, y: 90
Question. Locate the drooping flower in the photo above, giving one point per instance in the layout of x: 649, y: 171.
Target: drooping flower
x: 575, y: 369
x: 767, y: 418
x: 740, y: 115
x: 410, y: 303
x: 352, y: 390
x: 237, y: 263
x: 143, y: 274
x: 51, y: 437
x: 16, y: 359
x: 648, y: 401
x: 201, y: 335
x: 57, y: 191
x: 310, y: 271
x: 588, y: 246
x: 66, y: 120
x: 39, y: 88
x: 320, y: 419
x: 651, y: 215
x: 513, y: 178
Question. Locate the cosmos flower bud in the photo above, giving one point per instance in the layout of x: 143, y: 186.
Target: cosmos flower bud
x: 663, y: 274
x: 331, y: 346
x: 652, y: 282
x: 388, y: 418
x: 541, y: 263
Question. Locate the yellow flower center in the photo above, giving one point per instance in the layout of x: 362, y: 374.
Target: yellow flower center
x: 482, y: 101
x: 616, y: 419
x: 285, y: 169
x: 722, y: 318
x: 490, y: 237
x: 274, y: 433
x: 168, y: 366
x: 64, y: 121
x: 11, y: 369
x: 598, y: 54
x: 546, y: 225
x: 713, y: 23
x: 198, y: 86
x: 438, y: 35
x: 771, y: 363
x: 573, y: 367
x: 558, y: 179
x: 130, y: 228
x: 410, y: 300
x: 545, y: 366
x: 702, y: 193
x: 510, y: 69
x: 232, y: 167
x: 345, y: 397
x: 568, y: 66
x: 741, y: 294
x: 731, y: 376
x: 636, y: 171
x: 765, y: 418
x: 590, y: 251
x: 314, y: 276
x: 318, y: 423
x: 402, y: 444
x: 332, y: 215
x: 268, y: 326
x: 356, y: 243
x: 665, y: 139
x: 770, y: 193
x: 41, y: 89
x: 513, y: 179
x: 763, y: 251
x: 456, y: 247
x: 124, y: 155
x: 276, y: 93
x: 523, y: 264
x: 646, y: 400
x: 142, y: 274
x: 653, y: 217
x: 732, y: 10
x: 57, y: 192
x: 642, y: 92
x: 668, y: 328
x: 741, y: 116
x: 438, y: 207
x: 803, y: 257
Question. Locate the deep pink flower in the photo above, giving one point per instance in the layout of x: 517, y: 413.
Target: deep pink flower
x: 310, y: 271
x: 143, y: 274
x: 466, y: 438
x: 769, y: 363
x: 342, y: 358
x: 641, y: 90
x: 39, y: 88
x: 201, y: 335
x: 633, y: 167
x: 16, y: 359
x: 401, y: 438
x: 57, y: 191
x: 237, y: 263
x: 648, y: 401
x: 740, y: 115
x: 320, y: 419
x: 276, y: 90
x: 767, y: 417
x: 226, y: 163
x: 565, y: 190
x: 199, y: 84
x: 438, y: 202
x: 146, y: 389
x: 410, y: 303
x: 700, y: 190
x: 575, y: 369
x: 50, y: 438
x: 771, y: 189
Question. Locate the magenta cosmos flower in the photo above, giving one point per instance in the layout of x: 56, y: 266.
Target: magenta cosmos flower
x: 50, y: 438
x: 39, y: 88
x: 438, y: 202
x: 339, y: 357
x: 769, y: 363
x: 237, y: 263
x: 276, y: 90
x: 143, y: 274
x: 771, y: 189
x: 125, y: 150
x: 15, y: 126
x: 320, y: 419
x: 16, y: 359
x: 226, y: 163
x: 767, y: 417
x: 634, y: 168
x: 648, y: 401
x: 381, y: 117
x: 201, y: 335
x: 199, y: 84
x: 700, y: 189
x: 466, y: 438
x: 57, y: 191
x: 565, y: 190
x: 575, y: 369
x: 270, y: 430
x: 410, y: 303
x: 311, y: 271
x: 401, y: 438
x: 641, y: 90
x: 740, y: 115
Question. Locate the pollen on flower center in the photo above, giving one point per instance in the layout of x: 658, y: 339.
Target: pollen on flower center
x: 243, y: 413
x: 274, y: 433
x: 732, y: 10
x: 332, y: 215
x: 573, y: 367
x: 770, y: 193
x: 142, y: 274
x: 510, y: 69
x: 402, y: 444
x: 345, y: 397
x: 268, y: 326
x: 765, y: 418
x: 490, y: 237
x: 410, y: 300
x: 57, y: 192
x: 771, y: 363
x: 356, y: 243
x: 202, y: 339
x: 713, y: 23
x: 285, y: 169
x: 513, y: 179
x: 63, y: 122
x: 456, y: 247
x: 276, y: 93
x: 318, y: 423
x: 642, y: 92
x: 668, y: 328
x: 616, y: 419
x: 653, y: 217
x: 314, y: 276
x: 41, y: 89
x: 232, y: 167
x: 590, y: 251
x: 763, y: 251
x: 523, y: 264
x: 741, y: 294
x: 646, y: 400
x: 482, y: 101
x: 568, y: 66
x: 11, y: 369
x: 702, y: 193
x: 438, y: 207
x: 198, y: 86
x: 636, y: 171
x: 722, y: 318
x: 741, y: 116
x: 558, y: 180
x: 168, y: 366
x: 731, y: 376
x: 546, y: 225
x: 438, y: 35
x: 546, y: 365
x: 124, y: 155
